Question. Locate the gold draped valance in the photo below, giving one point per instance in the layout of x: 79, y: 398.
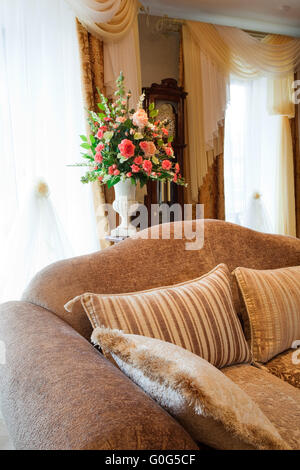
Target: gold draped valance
x: 237, y: 52
x: 108, y: 20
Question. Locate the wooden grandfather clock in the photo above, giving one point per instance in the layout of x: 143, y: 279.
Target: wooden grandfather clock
x: 169, y: 99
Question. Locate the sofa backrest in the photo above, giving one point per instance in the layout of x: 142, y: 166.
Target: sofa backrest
x: 138, y: 264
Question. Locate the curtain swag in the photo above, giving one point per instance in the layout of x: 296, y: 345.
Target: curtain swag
x: 237, y: 52
x: 108, y: 20
x: 211, y: 55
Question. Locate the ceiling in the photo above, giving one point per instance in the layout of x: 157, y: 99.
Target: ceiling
x: 270, y: 16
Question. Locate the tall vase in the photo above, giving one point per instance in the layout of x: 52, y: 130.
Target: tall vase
x: 124, y: 204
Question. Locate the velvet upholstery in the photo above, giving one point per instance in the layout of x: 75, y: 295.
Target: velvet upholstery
x: 277, y: 399
x: 52, y: 372
x: 140, y: 264
x: 58, y: 392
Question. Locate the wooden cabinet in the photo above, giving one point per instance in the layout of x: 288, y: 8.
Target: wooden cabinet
x: 169, y: 99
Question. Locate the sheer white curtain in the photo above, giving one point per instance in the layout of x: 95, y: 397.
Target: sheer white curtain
x: 251, y: 157
x: 41, y: 118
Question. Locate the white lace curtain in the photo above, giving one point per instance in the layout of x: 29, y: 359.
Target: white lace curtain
x: 41, y: 118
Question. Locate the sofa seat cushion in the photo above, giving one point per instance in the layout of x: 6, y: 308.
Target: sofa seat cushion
x: 278, y: 400
x: 285, y: 367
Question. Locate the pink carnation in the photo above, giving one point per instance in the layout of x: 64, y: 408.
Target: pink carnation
x: 121, y: 119
x: 99, y: 147
x: 166, y: 165
x: 169, y: 151
x: 135, y: 168
x: 126, y: 148
x: 101, y: 131
x: 147, y: 166
x: 98, y: 157
x: 138, y: 160
x: 148, y: 148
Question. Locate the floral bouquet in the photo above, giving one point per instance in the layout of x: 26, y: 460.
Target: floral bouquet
x: 127, y: 143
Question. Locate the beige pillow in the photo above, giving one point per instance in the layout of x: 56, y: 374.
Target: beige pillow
x: 272, y: 300
x: 197, y: 315
x: 212, y: 408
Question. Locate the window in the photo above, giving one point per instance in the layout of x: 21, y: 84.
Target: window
x: 41, y: 118
x: 251, y: 157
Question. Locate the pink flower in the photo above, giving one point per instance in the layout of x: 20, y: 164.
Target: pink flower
x: 138, y: 160
x: 177, y: 168
x: 110, y: 170
x: 121, y: 119
x: 99, y: 147
x: 151, y: 148
x: 169, y: 151
x: 140, y: 118
x: 98, y: 157
x: 175, y: 178
x: 126, y: 148
x: 101, y: 131
x: 144, y: 146
x: 135, y: 168
x: 116, y: 172
x: 100, y: 178
x: 129, y: 174
x: 148, y: 148
x: 166, y: 165
x: 165, y: 131
x: 147, y: 166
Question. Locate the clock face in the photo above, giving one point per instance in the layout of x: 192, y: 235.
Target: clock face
x: 166, y: 111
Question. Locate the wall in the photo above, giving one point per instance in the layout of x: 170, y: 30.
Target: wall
x: 159, y: 52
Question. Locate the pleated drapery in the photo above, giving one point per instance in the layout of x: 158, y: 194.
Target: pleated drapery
x: 107, y: 20
x: 207, y: 88
x: 211, y: 55
x: 92, y: 77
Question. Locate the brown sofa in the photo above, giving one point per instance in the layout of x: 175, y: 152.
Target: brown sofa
x: 58, y: 392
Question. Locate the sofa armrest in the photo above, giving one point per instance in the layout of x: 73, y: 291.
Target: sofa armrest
x: 58, y: 392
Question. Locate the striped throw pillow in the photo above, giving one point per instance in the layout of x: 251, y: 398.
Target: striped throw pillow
x: 197, y: 315
x: 272, y: 301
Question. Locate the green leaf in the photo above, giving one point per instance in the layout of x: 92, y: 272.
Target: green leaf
x: 151, y: 106
x: 92, y: 139
x: 114, y: 180
x: 85, y: 146
x: 101, y: 106
x: 84, y: 138
x: 170, y: 138
x: 154, y: 113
